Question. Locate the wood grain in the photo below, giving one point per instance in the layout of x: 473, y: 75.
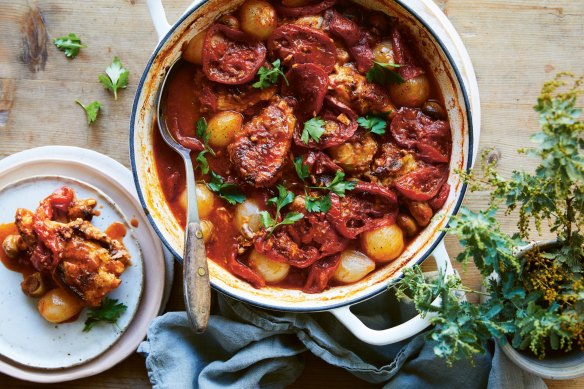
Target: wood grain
x: 515, y: 46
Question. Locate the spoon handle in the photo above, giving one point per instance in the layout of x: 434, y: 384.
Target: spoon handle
x: 196, y: 278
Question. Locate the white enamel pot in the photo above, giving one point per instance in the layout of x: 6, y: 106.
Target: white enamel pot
x: 442, y: 49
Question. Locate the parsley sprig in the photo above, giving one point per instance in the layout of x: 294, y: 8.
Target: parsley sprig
x: 313, y: 128
x: 383, y: 74
x: 301, y: 169
x: 204, y: 135
x: 91, y: 110
x: 69, y: 44
x: 373, y: 124
x: 109, y: 312
x: 284, y: 198
x: 338, y: 185
x: 229, y: 192
x: 115, y: 77
x: 269, y: 76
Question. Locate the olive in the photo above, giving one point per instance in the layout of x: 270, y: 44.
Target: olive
x: 407, y: 224
x: 433, y: 109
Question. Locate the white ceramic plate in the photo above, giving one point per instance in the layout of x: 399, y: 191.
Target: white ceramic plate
x: 114, y: 179
x: 27, y: 338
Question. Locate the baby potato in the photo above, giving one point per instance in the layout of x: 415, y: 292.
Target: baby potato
x: 207, y: 227
x: 194, y: 50
x: 272, y: 271
x: 383, y: 52
x: 248, y: 213
x: 223, y: 127
x: 353, y: 266
x: 383, y: 244
x: 57, y: 306
x: 411, y: 93
x: 258, y: 19
x: 205, y: 200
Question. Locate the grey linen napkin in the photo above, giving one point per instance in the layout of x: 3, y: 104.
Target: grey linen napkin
x: 247, y: 347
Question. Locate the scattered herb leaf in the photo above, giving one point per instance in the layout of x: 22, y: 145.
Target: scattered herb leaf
x: 269, y: 76
x: 69, y: 44
x: 318, y: 204
x: 373, y: 124
x: 204, y: 135
x: 383, y: 73
x: 284, y: 198
x: 202, y: 162
x: 313, y: 128
x: 109, y: 312
x: 301, y: 169
x: 91, y: 110
x: 338, y: 185
x: 115, y: 77
x: 229, y: 192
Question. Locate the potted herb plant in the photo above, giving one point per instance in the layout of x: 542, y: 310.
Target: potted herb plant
x: 532, y: 300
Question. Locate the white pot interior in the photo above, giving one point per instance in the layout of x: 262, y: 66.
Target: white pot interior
x: 169, y: 50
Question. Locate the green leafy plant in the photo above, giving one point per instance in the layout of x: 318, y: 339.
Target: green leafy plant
x: 535, y: 301
x: 91, y: 110
x: 109, y: 311
x: 284, y: 198
x: 69, y: 44
x: 229, y: 192
x: 269, y: 76
x: 384, y: 73
x: 115, y: 77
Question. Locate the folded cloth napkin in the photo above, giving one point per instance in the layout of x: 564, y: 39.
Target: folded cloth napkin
x: 247, y: 347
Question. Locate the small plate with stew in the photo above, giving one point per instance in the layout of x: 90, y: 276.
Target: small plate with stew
x: 99, y: 269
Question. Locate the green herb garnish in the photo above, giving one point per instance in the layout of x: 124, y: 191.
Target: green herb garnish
x: 383, y: 73
x: 284, y: 198
x: 373, y: 124
x: 313, y: 128
x: 229, y: 192
x: 301, y: 169
x: 338, y: 185
x: 204, y: 135
x: 91, y: 110
x: 269, y: 77
x: 109, y: 312
x: 115, y: 77
x: 318, y: 204
x: 69, y: 44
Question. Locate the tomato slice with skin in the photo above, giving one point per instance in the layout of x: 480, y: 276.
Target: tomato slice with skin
x: 422, y: 184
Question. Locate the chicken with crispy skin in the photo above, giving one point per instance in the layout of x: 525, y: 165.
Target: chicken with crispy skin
x: 65, y: 248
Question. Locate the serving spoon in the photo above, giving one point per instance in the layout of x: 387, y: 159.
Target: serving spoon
x: 197, y: 290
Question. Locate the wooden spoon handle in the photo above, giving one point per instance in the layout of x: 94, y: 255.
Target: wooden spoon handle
x: 196, y: 278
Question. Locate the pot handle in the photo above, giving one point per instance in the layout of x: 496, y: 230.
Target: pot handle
x: 158, y: 16
x: 399, y: 332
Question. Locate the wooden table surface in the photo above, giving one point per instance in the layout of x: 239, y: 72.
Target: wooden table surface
x: 515, y: 45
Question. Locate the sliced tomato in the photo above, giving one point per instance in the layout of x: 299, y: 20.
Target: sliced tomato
x: 230, y: 56
x: 440, y: 199
x: 422, y: 184
x: 308, y: 83
x: 295, y: 44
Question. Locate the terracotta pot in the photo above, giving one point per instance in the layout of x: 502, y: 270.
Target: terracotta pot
x: 449, y: 61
